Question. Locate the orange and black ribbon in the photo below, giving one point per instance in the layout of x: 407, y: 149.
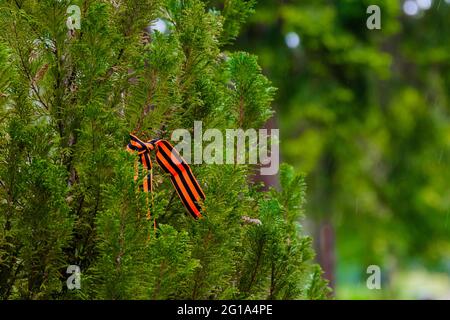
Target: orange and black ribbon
x: 187, y: 187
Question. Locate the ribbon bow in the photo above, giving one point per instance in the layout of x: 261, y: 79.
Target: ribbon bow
x: 187, y: 187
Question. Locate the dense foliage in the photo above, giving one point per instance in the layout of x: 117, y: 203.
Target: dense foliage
x: 68, y: 100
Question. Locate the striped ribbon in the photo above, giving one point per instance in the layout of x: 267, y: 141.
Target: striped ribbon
x: 186, y: 186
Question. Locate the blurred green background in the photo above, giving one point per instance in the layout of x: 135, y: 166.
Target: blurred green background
x: 365, y: 115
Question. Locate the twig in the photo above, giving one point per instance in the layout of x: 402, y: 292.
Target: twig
x: 170, y: 201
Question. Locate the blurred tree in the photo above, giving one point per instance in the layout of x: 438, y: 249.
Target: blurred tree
x: 365, y: 113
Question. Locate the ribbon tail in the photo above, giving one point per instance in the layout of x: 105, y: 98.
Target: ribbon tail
x: 184, y: 182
